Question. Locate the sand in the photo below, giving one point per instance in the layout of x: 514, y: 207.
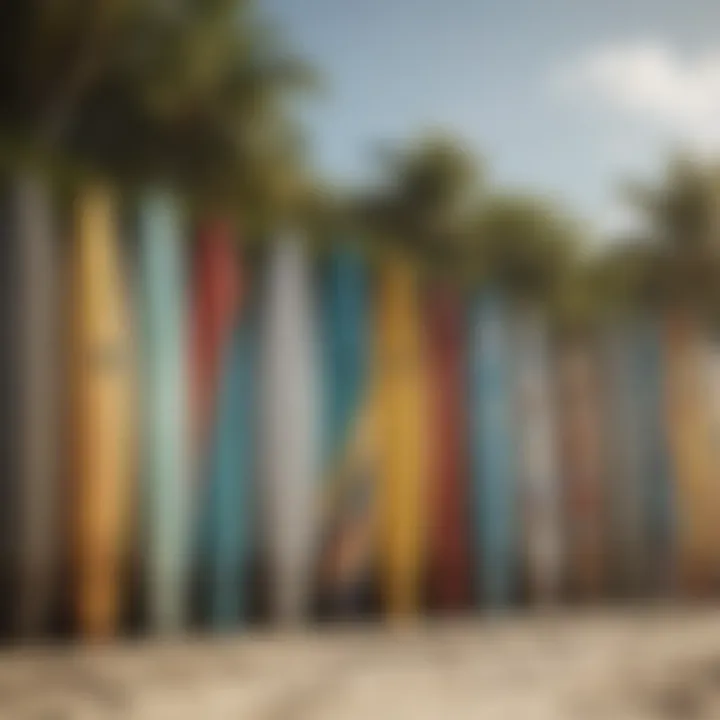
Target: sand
x: 591, y: 666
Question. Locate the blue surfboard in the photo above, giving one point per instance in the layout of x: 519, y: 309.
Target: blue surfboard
x: 493, y: 480
x: 655, y: 464
x: 640, y: 468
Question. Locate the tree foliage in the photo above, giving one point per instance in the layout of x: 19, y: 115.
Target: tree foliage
x: 525, y: 244
x: 192, y: 93
x: 427, y: 193
x: 679, y: 260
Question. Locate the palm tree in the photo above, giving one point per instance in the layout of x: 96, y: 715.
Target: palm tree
x: 427, y: 192
x: 525, y: 245
x: 189, y: 93
x: 682, y: 224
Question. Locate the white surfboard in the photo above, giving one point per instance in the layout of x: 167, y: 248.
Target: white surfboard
x: 290, y: 434
x: 538, y: 472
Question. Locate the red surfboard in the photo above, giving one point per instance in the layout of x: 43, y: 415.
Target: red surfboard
x: 449, y: 561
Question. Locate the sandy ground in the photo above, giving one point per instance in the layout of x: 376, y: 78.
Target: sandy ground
x: 587, y: 667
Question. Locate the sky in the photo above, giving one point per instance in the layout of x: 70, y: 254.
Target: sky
x: 562, y: 97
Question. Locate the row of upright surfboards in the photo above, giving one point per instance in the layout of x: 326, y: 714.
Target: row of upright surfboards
x: 172, y: 417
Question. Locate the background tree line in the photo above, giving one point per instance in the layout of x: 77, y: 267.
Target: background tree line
x: 200, y: 96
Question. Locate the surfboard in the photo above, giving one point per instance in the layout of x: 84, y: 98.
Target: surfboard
x: 290, y: 430
x: 103, y: 403
x: 349, y: 435
x: 165, y: 459
x: 31, y: 477
x: 626, y: 445
x: 216, y: 296
x: 657, y: 481
x: 580, y: 389
x: 216, y: 301
x: 403, y: 431
x: 495, y: 491
x: 231, y: 501
x: 448, y: 481
x: 696, y: 489
x: 538, y: 473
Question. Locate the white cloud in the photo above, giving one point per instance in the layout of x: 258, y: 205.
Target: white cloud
x: 653, y: 82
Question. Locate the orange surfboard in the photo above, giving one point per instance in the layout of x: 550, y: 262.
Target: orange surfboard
x: 103, y: 408
x: 697, y: 491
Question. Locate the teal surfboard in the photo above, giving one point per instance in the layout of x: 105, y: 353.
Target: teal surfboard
x: 348, y: 454
x: 493, y: 480
x: 230, y: 501
x: 165, y: 460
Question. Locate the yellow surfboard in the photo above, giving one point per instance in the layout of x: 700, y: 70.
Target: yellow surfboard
x: 402, y: 409
x: 697, y: 491
x: 102, y: 405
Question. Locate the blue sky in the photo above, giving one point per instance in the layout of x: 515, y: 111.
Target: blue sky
x: 564, y: 97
